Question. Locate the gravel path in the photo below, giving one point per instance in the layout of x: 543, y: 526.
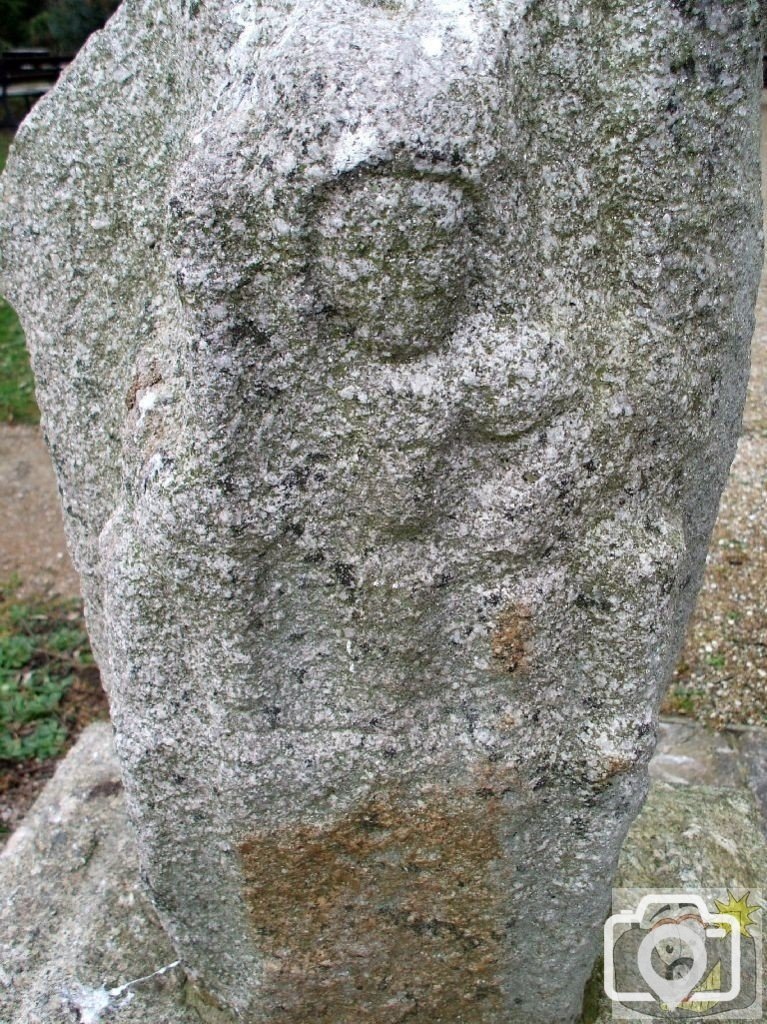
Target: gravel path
x: 32, y: 543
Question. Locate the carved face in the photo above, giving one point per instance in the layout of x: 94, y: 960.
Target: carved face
x: 433, y: 398
x: 393, y: 263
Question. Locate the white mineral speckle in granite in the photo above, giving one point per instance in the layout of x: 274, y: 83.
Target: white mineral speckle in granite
x: 354, y: 147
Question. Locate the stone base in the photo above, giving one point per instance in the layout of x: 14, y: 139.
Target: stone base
x: 703, y: 824
x: 75, y: 926
x: 80, y: 943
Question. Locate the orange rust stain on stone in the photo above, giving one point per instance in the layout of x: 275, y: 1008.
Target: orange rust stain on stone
x: 393, y: 913
x: 510, y: 640
x: 610, y: 769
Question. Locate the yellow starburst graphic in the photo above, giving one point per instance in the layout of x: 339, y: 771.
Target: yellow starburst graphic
x: 741, y: 909
x: 713, y: 983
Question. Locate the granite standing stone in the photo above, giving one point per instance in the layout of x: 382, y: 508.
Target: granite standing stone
x: 392, y: 357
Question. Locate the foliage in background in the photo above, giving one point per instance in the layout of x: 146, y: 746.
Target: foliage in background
x: 43, y: 649
x: 17, y: 390
x: 61, y: 26
x: 64, y: 25
x: 15, y: 15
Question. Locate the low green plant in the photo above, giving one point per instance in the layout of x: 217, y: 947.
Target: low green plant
x: 683, y: 700
x: 17, y: 385
x: 592, y: 996
x: 6, y: 138
x: 42, y: 646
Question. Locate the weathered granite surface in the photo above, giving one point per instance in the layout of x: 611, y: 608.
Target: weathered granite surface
x: 689, y: 838
x: 391, y: 356
x: 686, y: 753
x: 75, y: 925
x: 74, y: 922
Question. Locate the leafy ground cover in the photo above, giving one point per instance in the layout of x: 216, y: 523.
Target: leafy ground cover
x: 17, y: 387
x: 49, y: 690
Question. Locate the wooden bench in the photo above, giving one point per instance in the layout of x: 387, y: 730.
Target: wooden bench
x: 26, y: 75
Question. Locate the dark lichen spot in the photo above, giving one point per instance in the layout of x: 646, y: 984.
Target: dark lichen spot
x: 386, y: 914
x: 684, y: 65
x: 272, y: 714
x: 687, y: 8
x: 383, y: 5
x: 595, y: 602
x: 109, y: 787
x: 344, y: 573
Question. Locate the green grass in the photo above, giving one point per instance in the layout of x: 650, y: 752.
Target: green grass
x: 592, y: 997
x: 17, y: 391
x: 682, y: 700
x: 6, y: 138
x: 43, y: 646
x: 17, y: 386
